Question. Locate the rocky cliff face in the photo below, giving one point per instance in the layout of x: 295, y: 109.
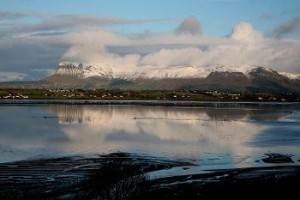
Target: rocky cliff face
x: 83, y: 71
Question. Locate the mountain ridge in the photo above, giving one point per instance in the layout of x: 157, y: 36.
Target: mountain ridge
x: 217, y: 77
x: 89, y: 70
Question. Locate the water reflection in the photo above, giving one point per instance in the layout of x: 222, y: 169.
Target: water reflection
x: 157, y: 124
x: 212, y: 136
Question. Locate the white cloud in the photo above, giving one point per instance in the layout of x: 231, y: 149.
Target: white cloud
x: 47, y: 72
x: 245, y: 46
x: 40, y: 46
x: 245, y: 32
x: 12, y: 76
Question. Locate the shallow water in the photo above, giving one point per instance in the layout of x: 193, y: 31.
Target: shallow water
x: 210, y: 137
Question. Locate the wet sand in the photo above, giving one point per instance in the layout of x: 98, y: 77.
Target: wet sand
x: 127, y: 176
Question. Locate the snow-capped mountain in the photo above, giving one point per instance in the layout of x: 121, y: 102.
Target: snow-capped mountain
x: 83, y: 71
x: 163, y: 73
x: 87, y: 70
x: 290, y: 75
x: 215, y: 77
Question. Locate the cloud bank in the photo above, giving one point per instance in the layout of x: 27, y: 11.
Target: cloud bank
x: 11, y: 76
x: 185, y: 46
x: 36, y: 48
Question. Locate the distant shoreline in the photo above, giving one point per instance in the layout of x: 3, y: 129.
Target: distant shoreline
x: 142, y: 102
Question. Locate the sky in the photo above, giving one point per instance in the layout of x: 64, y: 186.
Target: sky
x: 135, y: 35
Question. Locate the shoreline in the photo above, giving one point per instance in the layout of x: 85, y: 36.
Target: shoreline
x: 142, y: 102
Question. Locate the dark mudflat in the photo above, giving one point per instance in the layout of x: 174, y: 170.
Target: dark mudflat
x: 125, y: 176
x: 277, y: 158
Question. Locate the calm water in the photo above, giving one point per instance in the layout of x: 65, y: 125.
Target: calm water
x: 212, y: 137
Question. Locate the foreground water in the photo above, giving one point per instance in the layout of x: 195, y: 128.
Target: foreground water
x: 227, y: 137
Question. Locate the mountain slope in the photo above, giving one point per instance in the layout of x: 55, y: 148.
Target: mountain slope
x: 270, y: 80
x: 247, y: 78
x: 251, y: 78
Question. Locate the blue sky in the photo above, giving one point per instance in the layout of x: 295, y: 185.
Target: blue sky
x: 35, y: 35
x: 217, y: 16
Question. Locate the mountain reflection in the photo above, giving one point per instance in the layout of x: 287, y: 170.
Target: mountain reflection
x: 72, y: 114
x: 222, y: 135
x: 160, y: 129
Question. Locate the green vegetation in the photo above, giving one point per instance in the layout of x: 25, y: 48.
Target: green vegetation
x: 123, y: 94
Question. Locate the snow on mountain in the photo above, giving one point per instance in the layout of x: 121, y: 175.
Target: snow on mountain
x: 91, y: 70
x: 71, y: 69
x: 149, y: 72
x: 290, y: 75
x: 177, y: 72
x: 83, y: 71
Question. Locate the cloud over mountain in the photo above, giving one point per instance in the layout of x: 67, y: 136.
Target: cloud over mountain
x: 245, y: 46
x: 36, y: 48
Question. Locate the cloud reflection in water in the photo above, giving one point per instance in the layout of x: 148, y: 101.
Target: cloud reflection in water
x: 207, y: 134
